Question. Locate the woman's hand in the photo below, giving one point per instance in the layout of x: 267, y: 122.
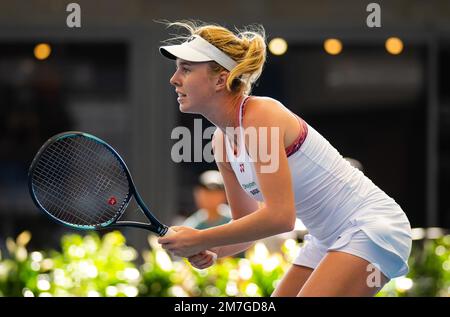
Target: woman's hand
x: 203, y: 259
x: 185, y: 242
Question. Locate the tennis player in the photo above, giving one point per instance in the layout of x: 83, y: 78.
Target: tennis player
x: 359, y: 237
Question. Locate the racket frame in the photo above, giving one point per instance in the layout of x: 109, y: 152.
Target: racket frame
x: 155, y: 225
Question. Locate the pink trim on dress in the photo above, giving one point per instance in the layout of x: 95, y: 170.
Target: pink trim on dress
x: 291, y: 149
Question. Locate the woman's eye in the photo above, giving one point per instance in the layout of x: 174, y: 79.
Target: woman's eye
x: 183, y: 69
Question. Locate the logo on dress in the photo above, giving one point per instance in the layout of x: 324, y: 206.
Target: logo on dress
x: 241, y: 167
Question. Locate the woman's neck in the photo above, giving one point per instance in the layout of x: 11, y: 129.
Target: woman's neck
x: 223, y: 113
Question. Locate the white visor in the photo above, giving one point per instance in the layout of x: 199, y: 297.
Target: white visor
x: 197, y: 49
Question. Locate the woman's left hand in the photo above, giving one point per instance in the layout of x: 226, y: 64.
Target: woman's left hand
x: 185, y: 242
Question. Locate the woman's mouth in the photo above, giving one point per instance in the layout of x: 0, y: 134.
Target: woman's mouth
x: 180, y: 96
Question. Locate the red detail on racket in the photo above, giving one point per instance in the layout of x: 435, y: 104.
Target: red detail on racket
x: 112, y: 201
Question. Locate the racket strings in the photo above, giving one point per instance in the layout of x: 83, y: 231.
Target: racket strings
x: 75, y: 180
x: 69, y: 168
x: 105, y: 171
x: 53, y: 190
x: 70, y: 184
x: 59, y: 209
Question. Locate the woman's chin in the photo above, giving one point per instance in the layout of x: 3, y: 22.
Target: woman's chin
x: 185, y: 108
x: 182, y: 108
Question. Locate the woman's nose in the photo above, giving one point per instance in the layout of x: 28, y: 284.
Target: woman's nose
x: 174, y: 80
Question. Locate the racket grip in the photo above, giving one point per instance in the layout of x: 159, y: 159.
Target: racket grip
x: 169, y: 232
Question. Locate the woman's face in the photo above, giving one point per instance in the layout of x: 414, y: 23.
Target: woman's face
x: 194, y: 84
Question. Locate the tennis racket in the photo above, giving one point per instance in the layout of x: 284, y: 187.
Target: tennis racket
x: 82, y: 182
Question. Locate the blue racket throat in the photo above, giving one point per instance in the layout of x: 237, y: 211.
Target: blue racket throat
x: 80, y: 181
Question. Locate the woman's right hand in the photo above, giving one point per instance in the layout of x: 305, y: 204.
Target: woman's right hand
x: 203, y: 259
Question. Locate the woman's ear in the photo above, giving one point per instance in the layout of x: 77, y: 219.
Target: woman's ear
x: 221, y: 82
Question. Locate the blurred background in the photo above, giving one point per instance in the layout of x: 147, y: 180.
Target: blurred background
x: 381, y: 96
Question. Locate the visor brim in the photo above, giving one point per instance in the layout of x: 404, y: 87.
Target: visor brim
x: 183, y: 52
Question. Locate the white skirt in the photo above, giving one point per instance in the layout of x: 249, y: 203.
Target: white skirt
x: 380, y: 235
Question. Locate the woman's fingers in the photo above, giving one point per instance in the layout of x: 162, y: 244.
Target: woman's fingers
x: 201, y: 260
x: 197, y: 257
x: 203, y: 266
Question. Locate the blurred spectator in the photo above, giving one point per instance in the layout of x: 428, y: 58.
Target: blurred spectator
x: 211, y: 201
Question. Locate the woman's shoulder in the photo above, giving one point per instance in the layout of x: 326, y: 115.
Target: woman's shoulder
x: 264, y: 111
x: 262, y: 101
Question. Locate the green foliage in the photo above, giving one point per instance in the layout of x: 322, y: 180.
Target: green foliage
x: 91, y: 265
x: 254, y: 276
x: 15, y: 272
x: 86, y: 266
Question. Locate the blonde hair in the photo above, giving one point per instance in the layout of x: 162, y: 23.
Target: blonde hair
x: 247, y: 47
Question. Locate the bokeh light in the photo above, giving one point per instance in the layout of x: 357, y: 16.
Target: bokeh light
x: 278, y: 46
x: 42, y: 51
x: 332, y: 46
x: 394, y: 45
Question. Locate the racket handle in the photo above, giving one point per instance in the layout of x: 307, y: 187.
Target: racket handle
x: 169, y: 232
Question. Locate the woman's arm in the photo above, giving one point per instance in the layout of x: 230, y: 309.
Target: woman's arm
x: 240, y: 203
x: 230, y: 250
x: 274, y: 178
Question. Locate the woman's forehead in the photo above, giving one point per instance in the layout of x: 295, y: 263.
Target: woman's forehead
x: 182, y: 62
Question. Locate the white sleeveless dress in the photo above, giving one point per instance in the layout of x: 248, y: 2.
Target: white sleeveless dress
x: 335, y: 201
